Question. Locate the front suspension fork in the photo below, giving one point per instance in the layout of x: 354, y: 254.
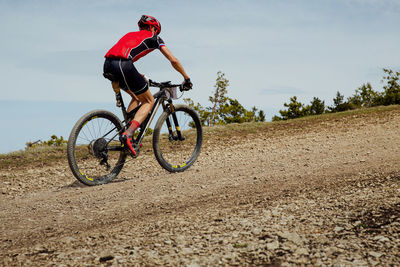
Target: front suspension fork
x: 171, y: 135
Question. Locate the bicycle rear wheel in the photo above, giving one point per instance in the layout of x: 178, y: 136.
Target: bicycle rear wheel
x: 173, y: 153
x: 95, y: 154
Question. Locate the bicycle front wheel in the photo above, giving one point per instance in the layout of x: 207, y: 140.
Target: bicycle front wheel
x: 177, y: 148
x: 95, y: 154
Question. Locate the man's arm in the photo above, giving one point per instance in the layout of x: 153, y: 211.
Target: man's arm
x: 174, y: 61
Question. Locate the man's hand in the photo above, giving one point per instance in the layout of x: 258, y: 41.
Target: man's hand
x: 187, y: 85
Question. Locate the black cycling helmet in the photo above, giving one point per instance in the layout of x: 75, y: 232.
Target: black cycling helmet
x: 149, y: 21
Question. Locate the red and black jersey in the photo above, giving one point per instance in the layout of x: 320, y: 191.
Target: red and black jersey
x: 135, y: 45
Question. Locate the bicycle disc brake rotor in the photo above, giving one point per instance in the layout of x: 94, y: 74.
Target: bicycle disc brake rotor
x: 98, y: 147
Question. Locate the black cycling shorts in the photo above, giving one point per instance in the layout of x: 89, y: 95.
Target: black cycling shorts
x: 128, y: 76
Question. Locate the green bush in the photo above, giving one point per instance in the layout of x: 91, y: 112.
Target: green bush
x: 52, y: 142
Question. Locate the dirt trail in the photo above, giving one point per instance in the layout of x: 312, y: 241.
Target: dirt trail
x: 320, y: 193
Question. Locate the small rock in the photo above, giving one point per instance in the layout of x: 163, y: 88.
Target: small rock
x: 375, y: 254
x: 273, y: 245
x: 294, y: 237
x: 330, y: 251
x: 338, y: 229
x: 373, y: 263
x: 301, y: 251
x: 61, y: 255
x: 68, y: 239
x: 359, y: 262
x: 256, y: 231
x: 275, y: 213
x: 180, y: 239
x: 187, y: 251
x: 381, y: 238
x: 167, y: 242
x: 286, y: 247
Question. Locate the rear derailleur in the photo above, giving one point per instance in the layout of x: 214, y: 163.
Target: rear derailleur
x: 98, y: 148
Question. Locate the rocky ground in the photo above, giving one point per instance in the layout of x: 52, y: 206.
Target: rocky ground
x: 314, y: 192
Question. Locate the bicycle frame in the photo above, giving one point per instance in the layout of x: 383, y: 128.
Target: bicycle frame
x: 160, y: 98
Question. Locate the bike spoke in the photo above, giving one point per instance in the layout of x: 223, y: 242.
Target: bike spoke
x: 178, y: 153
x: 93, y: 160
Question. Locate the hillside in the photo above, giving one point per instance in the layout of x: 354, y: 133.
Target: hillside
x: 321, y: 190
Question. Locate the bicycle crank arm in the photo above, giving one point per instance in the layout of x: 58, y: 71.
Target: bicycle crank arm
x: 115, y: 148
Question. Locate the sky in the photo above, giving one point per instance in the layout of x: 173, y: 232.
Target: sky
x: 52, y: 54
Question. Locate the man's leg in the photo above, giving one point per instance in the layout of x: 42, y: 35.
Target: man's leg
x: 147, y: 101
x: 134, y: 102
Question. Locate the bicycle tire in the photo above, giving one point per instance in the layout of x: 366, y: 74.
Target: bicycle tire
x: 160, y: 140
x: 80, y: 155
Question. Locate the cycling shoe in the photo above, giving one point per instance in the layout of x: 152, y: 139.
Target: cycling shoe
x: 129, y: 143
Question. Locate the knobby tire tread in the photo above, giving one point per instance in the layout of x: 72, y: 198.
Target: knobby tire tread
x: 72, y: 143
x: 156, y: 137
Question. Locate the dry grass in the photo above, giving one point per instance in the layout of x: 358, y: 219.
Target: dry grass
x: 35, y: 157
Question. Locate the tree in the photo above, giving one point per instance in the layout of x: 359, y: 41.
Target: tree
x: 295, y: 110
x: 364, y: 96
x: 218, y: 99
x: 261, y: 116
x: 339, y: 104
x: 317, y: 106
x: 204, y: 114
x: 224, y: 109
x: 250, y: 115
x: 233, y: 112
x: 391, y: 94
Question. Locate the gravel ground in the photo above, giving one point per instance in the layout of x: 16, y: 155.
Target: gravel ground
x: 324, y: 193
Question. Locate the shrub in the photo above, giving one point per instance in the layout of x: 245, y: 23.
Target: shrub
x: 52, y: 142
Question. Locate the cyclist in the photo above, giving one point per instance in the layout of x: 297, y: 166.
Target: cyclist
x: 119, y: 62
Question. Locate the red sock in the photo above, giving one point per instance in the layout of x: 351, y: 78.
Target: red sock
x: 132, y: 128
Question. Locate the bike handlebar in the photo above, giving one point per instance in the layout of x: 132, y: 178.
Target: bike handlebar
x: 166, y: 84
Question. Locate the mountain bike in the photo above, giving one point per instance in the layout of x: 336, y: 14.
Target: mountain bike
x: 96, y: 154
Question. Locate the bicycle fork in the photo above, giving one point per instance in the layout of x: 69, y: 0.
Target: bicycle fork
x: 171, y: 136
